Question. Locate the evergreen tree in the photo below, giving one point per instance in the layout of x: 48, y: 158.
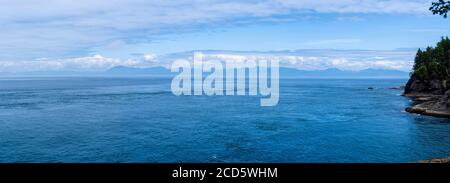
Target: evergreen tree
x: 433, y: 63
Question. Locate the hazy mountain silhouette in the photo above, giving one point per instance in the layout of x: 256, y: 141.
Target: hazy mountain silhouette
x: 123, y: 71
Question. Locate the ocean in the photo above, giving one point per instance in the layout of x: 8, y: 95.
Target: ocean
x: 95, y: 119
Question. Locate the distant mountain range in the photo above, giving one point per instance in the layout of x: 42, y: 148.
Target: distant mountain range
x: 122, y: 71
x: 336, y: 73
x: 284, y: 73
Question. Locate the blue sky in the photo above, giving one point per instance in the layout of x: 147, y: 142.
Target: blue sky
x: 98, y: 35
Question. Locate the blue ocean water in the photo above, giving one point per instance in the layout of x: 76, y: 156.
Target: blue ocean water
x: 140, y: 120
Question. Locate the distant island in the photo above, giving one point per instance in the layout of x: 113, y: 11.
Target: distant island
x: 429, y: 83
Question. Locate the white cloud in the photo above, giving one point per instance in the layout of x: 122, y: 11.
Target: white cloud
x: 301, y: 59
x: 117, y: 13
x: 359, y: 6
x: 150, y: 57
x: 94, y: 63
x: 66, y: 27
x: 315, y: 59
x: 378, y: 58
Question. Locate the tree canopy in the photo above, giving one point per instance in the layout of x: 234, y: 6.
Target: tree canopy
x: 441, y: 7
x: 433, y: 62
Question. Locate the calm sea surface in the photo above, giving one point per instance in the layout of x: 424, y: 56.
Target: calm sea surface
x: 140, y: 120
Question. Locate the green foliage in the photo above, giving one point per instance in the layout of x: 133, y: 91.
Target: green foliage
x: 433, y: 63
x: 441, y: 7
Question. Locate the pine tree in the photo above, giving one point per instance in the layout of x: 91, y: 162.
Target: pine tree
x: 433, y: 63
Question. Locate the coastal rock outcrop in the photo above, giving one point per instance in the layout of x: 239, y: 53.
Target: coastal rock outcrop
x: 430, y: 97
x: 416, y: 86
x: 430, y: 77
x: 436, y: 160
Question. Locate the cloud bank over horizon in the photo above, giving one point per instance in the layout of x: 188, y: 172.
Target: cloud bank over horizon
x: 352, y: 60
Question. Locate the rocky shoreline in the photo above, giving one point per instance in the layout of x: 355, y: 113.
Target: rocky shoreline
x: 430, y: 98
x: 436, y: 160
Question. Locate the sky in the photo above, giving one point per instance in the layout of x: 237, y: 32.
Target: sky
x: 86, y: 35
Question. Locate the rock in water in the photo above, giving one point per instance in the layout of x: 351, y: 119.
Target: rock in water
x: 395, y: 88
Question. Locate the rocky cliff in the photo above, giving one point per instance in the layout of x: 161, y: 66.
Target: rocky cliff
x: 430, y: 97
